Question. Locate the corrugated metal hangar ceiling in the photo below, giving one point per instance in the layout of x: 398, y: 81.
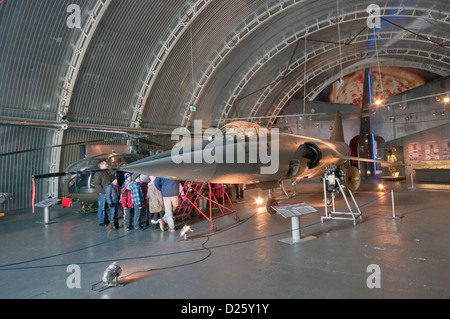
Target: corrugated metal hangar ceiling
x: 142, y: 63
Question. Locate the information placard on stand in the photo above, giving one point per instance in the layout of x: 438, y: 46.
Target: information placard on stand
x: 46, y: 204
x: 294, y: 211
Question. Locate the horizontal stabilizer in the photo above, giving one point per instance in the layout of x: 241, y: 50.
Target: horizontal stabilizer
x: 360, y: 159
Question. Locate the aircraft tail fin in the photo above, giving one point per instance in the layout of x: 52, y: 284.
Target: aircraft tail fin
x: 337, y: 135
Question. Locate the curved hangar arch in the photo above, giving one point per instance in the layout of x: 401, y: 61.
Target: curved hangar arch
x: 323, y: 61
x: 211, y: 53
x: 425, y: 57
x: 213, y: 94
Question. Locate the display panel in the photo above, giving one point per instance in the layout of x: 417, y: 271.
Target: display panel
x: 431, y: 150
x: 415, y: 151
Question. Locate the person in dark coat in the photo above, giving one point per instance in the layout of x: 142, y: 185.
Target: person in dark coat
x: 101, y: 180
x: 112, y: 200
x: 144, y: 187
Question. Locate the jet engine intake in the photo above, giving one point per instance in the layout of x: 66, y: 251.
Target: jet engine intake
x: 311, y: 152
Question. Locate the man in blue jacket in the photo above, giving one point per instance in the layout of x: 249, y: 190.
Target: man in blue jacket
x: 169, y: 189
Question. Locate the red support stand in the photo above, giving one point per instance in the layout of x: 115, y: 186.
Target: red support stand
x: 212, y: 193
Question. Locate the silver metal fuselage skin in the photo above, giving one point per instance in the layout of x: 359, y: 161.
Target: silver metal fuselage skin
x: 232, y: 170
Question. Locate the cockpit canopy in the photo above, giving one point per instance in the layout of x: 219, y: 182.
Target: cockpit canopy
x: 242, y: 130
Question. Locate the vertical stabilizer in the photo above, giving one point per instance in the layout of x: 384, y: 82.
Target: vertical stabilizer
x: 338, y: 131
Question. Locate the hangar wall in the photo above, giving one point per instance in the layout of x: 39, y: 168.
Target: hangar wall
x: 33, y: 158
x: 415, y: 116
x: 438, y: 136
x: 71, y: 153
x: 317, y: 127
x: 18, y: 167
x: 36, y: 46
x: 422, y: 112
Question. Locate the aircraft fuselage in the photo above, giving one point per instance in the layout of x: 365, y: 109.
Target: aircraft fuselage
x: 246, y: 161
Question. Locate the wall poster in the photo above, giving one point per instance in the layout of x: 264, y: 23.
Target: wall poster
x: 431, y: 150
x: 446, y: 150
x: 415, y: 151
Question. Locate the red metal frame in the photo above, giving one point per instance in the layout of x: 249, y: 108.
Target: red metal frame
x: 192, y: 191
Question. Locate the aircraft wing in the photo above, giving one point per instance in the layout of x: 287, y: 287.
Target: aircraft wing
x: 361, y: 159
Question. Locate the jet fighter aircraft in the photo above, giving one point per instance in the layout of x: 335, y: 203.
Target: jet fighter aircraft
x: 239, y: 154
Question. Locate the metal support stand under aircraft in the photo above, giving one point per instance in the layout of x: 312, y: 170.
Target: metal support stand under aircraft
x: 332, y: 182
x: 214, y: 194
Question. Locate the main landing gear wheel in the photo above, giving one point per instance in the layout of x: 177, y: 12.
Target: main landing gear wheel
x: 271, y: 202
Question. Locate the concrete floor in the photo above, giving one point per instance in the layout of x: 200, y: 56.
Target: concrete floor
x: 242, y: 259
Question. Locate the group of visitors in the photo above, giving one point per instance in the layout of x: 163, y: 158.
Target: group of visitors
x: 153, y: 197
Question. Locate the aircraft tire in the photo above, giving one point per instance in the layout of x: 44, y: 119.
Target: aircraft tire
x: 271, y: 202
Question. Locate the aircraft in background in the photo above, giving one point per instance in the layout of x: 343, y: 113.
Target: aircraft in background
x: 297, y: 157
x: 77, y: 182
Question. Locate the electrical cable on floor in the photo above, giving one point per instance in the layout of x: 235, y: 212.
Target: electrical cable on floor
x: 105, y: 261
x: 153, y: 269
x: 96, y: 286
x: 64, y: 253
x: 181, y: 265
x: 209, y: 249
